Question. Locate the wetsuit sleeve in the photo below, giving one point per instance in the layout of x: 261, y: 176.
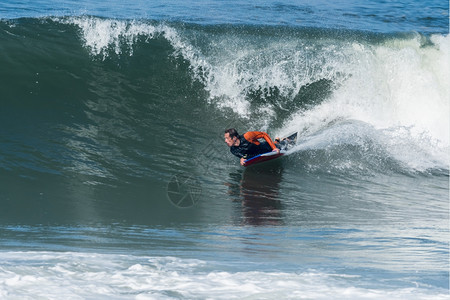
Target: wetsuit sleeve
x: 253, y: 136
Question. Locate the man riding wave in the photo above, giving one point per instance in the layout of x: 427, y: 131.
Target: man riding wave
x: 247, y: 145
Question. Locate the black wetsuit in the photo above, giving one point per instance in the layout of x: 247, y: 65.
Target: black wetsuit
x: 248, y: 150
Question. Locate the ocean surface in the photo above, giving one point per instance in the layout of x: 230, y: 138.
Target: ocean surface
x: 115, y: 181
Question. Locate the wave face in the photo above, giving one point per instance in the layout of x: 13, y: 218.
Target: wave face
x: 98, y: 87
x: 96, y: 111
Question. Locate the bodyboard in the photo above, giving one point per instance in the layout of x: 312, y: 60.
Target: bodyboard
x: 285, y: 144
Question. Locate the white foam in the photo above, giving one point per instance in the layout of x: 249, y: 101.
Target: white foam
x: 30, y: 275
x: 401, y: 89
x: 240, y: 65
x: 99, y: 35
x: 68, y: 275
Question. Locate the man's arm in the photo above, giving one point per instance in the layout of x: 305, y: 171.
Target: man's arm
x: 253, y: 136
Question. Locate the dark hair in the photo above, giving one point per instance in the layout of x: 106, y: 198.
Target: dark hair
x: 232, y: 132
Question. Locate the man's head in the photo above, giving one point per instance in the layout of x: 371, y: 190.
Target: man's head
x: 231, y: 137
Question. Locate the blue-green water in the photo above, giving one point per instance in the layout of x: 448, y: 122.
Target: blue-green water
x: 115, y: 181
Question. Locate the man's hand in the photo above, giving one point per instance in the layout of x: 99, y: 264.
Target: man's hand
x: 276, y: 150
x: 243, y: 161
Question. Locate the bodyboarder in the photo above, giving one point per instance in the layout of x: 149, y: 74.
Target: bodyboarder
x: 248, y: 145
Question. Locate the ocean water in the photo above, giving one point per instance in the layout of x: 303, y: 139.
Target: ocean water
x: 115, y: 182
